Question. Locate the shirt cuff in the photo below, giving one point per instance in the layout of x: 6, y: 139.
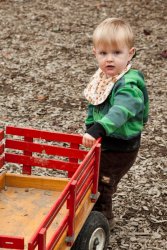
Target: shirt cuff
x: 96, y: 130
x: 89, y: 125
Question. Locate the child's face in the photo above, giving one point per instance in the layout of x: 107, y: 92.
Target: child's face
x: 112, y: 61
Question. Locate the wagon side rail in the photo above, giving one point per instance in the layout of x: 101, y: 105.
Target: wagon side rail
x: 83, y: 175
x: 84, y: 178
x: 27, y: 146
x: 1, y: 148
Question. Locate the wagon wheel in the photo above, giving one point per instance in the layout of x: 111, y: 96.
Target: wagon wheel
x: 94, y: 234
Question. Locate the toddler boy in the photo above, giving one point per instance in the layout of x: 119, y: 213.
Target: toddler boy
x: 117, y: 109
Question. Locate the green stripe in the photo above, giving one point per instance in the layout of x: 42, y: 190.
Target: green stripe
x: 126, y: 109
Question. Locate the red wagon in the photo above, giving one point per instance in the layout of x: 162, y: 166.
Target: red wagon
x: 49, y: 212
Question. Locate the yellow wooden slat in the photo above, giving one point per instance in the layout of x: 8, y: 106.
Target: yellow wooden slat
x: 40, y: 182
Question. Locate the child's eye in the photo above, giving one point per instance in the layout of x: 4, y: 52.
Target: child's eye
x: 117, y: 52
x: 103, y: 53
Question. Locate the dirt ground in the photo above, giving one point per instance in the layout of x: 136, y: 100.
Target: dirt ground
x: 46, y: 61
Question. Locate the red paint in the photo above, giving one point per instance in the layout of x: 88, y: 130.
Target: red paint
x: 11, y: 242
x: 83, y: 176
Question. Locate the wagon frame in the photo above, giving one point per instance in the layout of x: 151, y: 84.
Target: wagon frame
x: 79, y: 190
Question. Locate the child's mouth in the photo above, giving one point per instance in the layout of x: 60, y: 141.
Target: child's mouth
x: 110, y: 67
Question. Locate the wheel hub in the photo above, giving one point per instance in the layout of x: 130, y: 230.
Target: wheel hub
x: 97, y: 240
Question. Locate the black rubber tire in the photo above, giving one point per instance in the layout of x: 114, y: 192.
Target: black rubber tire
x: 95, y: 221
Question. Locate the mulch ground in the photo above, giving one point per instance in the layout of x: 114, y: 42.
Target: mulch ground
x: 46, y: 61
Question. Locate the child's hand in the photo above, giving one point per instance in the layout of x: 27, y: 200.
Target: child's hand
x: 88, y: 140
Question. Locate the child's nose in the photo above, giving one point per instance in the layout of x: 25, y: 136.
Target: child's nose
x: 109, y: 57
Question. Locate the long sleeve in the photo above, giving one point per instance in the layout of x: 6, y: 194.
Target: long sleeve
x: 128, y: 102
x: 89, y: 119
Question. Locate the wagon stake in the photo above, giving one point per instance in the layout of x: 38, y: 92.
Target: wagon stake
x: 69, y: 240
x: 94, y: 197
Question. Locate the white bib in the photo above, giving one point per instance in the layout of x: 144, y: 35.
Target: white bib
x: 100, y: 86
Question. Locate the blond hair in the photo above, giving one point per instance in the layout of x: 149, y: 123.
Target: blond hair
x: 113, y: 31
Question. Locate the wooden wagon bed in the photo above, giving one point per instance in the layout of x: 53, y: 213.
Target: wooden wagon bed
x: 25, y: 201
x: 39, y: 212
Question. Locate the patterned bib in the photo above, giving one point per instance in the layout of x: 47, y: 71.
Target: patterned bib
x: 100, y: 86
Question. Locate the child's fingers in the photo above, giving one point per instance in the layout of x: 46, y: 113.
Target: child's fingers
x: 88, y: 140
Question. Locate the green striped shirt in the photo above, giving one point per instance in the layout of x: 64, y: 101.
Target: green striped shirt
x: 125, y: 111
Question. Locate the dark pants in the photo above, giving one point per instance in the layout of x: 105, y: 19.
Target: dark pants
x: 113, y: 166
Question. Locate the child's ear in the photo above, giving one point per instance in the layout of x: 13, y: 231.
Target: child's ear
x: 94, y: 51
x: 132, y: 52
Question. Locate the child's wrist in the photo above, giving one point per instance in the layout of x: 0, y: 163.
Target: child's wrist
x: 96, y: 130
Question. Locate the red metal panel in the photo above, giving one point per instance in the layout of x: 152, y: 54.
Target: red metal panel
x: 83, y: 191
x: 1, y: 135
x: 96, y: 170
x: 86, y: 174
x: 1, y: 161
x: 32, y: 245
x: 72, y: 208
x: 51, y: 136
x: 76, y: 146
x: 45, y: 149
x: 40, y: 162
x: 1, y: 148
x: 56, y: 236
x: 42, y: 239
x: 1, y: 157
x: 27, y: 168
x: 11, y: 242
x: 83, y: 165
